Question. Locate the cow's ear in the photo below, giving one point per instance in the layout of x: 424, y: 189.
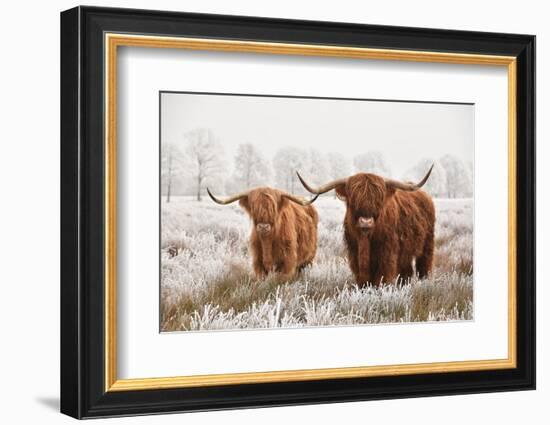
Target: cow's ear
x: 243, y: 202
x: 341, y: 192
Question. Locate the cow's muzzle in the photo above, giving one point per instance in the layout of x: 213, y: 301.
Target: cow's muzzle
x: 365, y: 222
x: 263, y: 228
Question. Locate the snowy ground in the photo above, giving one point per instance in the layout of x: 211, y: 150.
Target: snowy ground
x: 209, y: 283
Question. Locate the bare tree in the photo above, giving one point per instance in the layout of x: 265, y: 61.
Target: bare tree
x: 316, y: 167
x: 458, y: 177
x: 340, y: 166
x: 251, y: 168
x: 286, y: 162
x: 470, y: 168
x: 171, y: 167
x: 372, y: 162
x: 204, y: 157
x: 436, y: 184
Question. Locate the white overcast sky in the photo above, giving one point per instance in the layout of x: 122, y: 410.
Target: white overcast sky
x: 404, y: 132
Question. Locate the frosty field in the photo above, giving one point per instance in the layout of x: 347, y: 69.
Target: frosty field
x: 207, y: 281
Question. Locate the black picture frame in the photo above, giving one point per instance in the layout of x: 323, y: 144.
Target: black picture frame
x: 83, y: 392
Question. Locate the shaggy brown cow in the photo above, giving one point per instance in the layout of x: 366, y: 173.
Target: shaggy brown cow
x: 284, y: 232
x: 388, y: 224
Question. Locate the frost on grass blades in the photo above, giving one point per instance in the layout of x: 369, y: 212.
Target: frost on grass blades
x: 209, y: 284
x: 232, y: 143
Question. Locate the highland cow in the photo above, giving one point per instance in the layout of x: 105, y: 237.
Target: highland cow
x: 388, y: 225
x: 284, y: 231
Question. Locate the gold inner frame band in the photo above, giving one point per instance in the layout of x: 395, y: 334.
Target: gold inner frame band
x: 113, y: 41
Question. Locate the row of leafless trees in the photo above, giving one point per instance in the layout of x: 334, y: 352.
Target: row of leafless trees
x: 188, y: 171
x: 202, y: 162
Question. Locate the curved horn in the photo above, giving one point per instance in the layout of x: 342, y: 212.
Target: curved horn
x: 299, y: 200
x: 228, y: 200
x: 410, y: 187
x: 322, y: 189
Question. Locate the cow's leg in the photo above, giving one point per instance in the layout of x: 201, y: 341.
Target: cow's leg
x: 425, y: 261
x: 405, y: 269
x: 352, y: 251
x: 353, y: 263
x: 386, y: 270
x: 364, y: 262
x: 385, y: 265
x: 289, y: 261
x: 304, y: 265
x: 257, y: 260
x: 267, y: 253
x: 259, y: 270
x: 306, y: 245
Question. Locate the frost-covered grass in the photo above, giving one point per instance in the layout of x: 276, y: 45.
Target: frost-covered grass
x: 207, y: 280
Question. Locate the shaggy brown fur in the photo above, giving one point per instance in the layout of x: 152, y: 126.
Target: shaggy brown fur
x: 400, y: 229
x: 284, y: 234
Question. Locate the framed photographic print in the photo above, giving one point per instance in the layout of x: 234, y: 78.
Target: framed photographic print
x: 261, y: 212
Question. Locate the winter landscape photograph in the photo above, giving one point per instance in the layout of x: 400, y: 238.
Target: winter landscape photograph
x: 289, y: 212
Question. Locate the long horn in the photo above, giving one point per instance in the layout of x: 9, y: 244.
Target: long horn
x: 228, y: 200
x: 322, y: 189
x: 410, y: 187
x: 299, y: 200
